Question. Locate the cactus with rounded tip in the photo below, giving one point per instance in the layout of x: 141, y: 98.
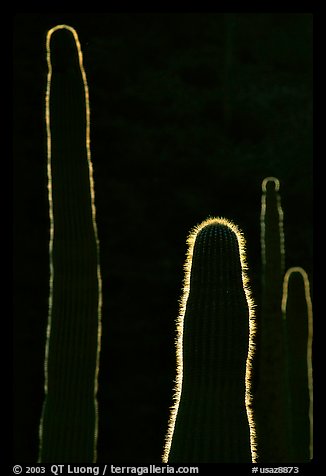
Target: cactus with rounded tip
x: 68, y: 428
x: 297, y: 315
x: 271, y: 410
x: 209, y: 420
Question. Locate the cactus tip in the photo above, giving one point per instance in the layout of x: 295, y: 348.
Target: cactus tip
x: 268, y: 180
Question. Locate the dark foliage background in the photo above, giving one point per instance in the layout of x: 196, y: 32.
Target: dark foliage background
x: 189, y: 112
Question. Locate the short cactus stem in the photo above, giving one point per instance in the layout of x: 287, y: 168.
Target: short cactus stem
x: 210, y: 420
x: 298, y: 318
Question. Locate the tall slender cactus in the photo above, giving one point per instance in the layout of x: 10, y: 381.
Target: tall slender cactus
x: 271, y: 404
x: 69, y: 422
x: 209, y: 420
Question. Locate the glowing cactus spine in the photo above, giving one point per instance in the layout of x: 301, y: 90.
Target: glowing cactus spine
x: 298, y: 319
x: 210, y: 421
x: 69, y: 422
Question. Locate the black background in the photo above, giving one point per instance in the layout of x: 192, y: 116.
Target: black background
x: 189, y: 112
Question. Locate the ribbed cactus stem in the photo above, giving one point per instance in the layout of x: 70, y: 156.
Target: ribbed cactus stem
x: 68, y: 429
x: 271, y: 398
x: 298, y: 317
x: 210, y: 420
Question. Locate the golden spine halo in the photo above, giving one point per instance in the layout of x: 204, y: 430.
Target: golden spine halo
x: 270, y: 179
x: 298, y: 269
x: 179, y: 332
x: 51, y: 215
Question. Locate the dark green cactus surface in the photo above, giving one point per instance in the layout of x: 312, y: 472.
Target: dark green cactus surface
x: 211, y: 419
x: 68, y: 428
x: 297, y: 314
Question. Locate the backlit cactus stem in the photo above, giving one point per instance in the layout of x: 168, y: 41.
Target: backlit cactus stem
x: 211, y: 420
x: 272, y: 234
x: 298, y: 318
x: 271, y: 410
x: 69, y: 422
